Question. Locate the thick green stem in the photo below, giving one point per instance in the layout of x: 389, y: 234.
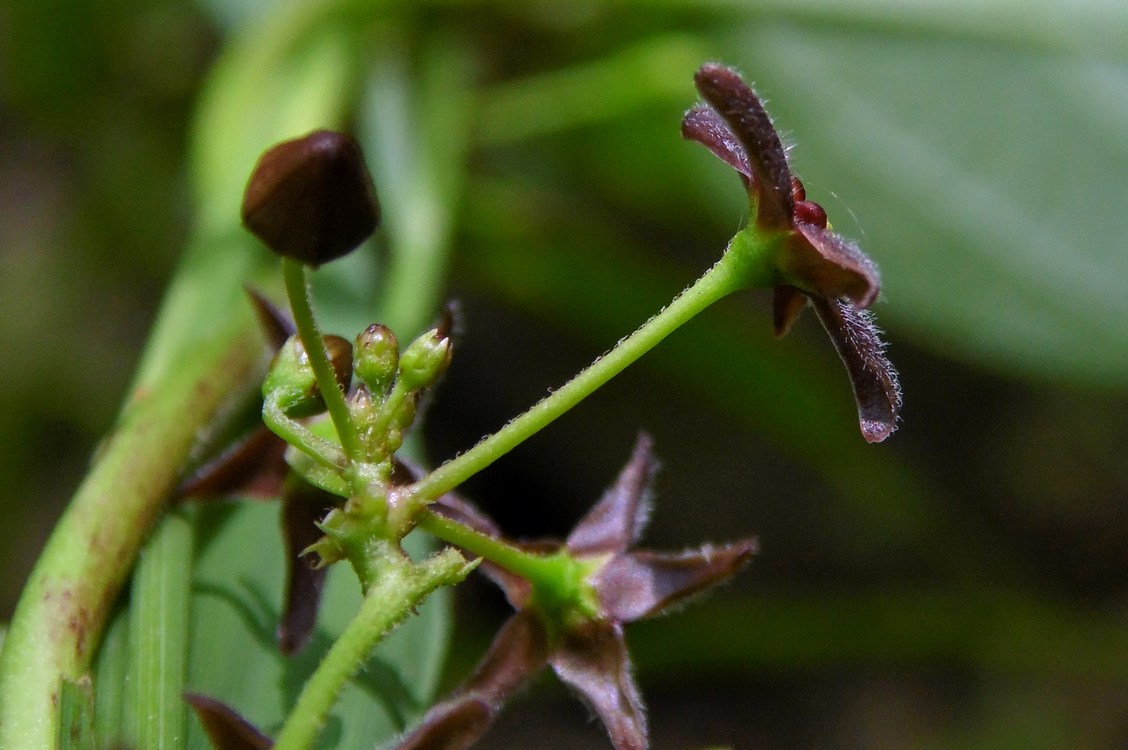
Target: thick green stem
x: 297, y: 289
x: 59, y: 620
x: 746, y: 265
x: 395, y: 592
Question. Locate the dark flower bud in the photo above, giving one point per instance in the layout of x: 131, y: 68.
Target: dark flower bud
x: 425, y: 360
x: 377, y: 357
x: 291, y: 384
x: 312, y: 199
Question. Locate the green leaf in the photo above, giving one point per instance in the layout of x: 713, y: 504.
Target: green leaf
x: 232, y: 15
x: 236, y: 604
x: 158, y: 633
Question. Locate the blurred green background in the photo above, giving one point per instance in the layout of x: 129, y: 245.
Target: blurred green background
x: 961, y: 586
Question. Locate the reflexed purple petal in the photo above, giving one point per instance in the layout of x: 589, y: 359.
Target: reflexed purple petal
x: 875, y: 384
x: 830, y: 266
x: 705, y: 126
x: 226, y: 729
x: 619, y: 517
x: 738, y: 104
x: 277, y: 325
x: 302, y: 507
x: 643, y: 584
x: 787, y: 303
x: 518, y: 651
x: 595, y: 663
x: 451, y: 725
x: 253, y: 467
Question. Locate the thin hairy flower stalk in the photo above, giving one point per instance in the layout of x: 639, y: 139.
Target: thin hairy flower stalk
x: 530, y: 566
x: 297, y: 289
x: 740, y: 267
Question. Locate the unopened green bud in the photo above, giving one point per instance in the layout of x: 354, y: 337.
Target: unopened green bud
x: 425, y: 360
x: 399, y: 424
x: 291, y: 385
x: 377, y: 357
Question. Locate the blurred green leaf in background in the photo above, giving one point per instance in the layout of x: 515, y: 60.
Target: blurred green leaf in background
x: 964, y: 585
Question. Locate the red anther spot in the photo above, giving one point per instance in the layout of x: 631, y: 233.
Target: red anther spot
x: 810, y: 212
x: 798, y: 192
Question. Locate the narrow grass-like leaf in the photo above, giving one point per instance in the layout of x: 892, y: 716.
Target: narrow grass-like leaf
x: 159, y: 624
x: 76, y: 716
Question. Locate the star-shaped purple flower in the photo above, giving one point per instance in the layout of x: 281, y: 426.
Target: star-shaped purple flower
x: 814, y: 264
x: 584, y: 644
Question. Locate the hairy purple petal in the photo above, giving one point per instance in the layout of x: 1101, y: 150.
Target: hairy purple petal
x: 517, y: 652
x: 875, y: 384
x: 226, y: 729
x: 787, y: 303
x: 253, y: 467
x: 276, y: 324
x: 595, y: 663
x: 830, y: 266
x: 705, y: 126
x: 617, y: 520
x: 643, y: 584
x: 302, y: 507
x: 451, y: 725
x: 731, y: 97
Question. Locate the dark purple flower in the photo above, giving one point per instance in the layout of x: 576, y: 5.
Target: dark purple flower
x: 311, y: 198
x: 814, y: 264
x: 586, y: 649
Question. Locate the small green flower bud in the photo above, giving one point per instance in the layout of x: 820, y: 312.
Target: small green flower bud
x: 311, y: 198
x: 398, y: 425
x: 425, y: 360
x: 377, y: 357
x: 291, y: 384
